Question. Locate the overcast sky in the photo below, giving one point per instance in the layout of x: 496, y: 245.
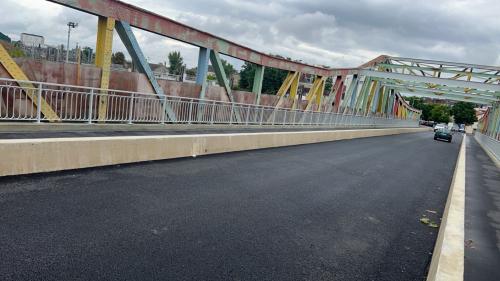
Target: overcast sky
x: 338, y: 33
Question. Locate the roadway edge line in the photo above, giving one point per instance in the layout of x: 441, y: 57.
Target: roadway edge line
x: 448, y: 257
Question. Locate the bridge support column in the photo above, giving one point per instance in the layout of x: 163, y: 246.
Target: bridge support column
x: 17, y: 73
x: 105, y: 27
x: 315, y: 94
x: 333, y: 93
x: 128, y: 38
x: 291, y: 83
x: 201, y: 73
x: 257, y: 82
x: 350, y: 97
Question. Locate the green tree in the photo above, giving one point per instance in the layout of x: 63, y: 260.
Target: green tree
x: 191, y: 71
x: 440, y: 113
x: 328, y: 84
x: 464, y: 113
x: 176, y: 63
x: 228, y: 68
x: 272, y: 78
x: 118, y: 58
x: 211, y: 77
x: 420, y: 104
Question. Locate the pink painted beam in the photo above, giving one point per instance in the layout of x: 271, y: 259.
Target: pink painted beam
x: 161, y: 25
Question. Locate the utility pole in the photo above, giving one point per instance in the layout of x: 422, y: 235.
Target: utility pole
x: 70, y: 26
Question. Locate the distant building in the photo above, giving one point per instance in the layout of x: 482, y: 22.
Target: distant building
x: 4, y: 37
x: 32, y: 40
x: 159, y: 69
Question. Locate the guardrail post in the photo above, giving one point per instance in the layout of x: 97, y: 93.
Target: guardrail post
x: 163, y: 109
x: 232, y: 112
x: 190, y: 110
x: 294, y: 117
x: 248, y: 114
x: 213, y: 112
x: 39, y: 104
x: 284, y: 118
x: 91, y: 106
x: 274, y: 116
x: 131, y: 109
x: 261, y: 115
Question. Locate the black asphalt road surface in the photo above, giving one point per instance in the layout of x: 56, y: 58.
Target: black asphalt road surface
x: 482, y: 215
x: 344, y: 210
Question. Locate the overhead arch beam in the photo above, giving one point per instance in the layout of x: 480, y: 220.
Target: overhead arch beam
x: 433, y: 80
x: 149, y: 21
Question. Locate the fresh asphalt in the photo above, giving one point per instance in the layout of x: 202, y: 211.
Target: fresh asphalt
x: 344, y: 210
x: 482, y: 216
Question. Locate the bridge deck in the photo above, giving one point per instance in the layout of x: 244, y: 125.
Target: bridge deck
x: 345, y: 210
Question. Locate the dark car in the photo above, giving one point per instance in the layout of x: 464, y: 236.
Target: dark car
x: 443, y: 134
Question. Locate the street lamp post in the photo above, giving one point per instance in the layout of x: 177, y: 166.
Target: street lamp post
x: 70, y: 26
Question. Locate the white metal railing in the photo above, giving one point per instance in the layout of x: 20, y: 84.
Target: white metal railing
x: 81, y: 104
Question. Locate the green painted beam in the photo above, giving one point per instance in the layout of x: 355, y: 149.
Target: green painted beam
x: 443, y: 70
x: 257, y: 82
x: 222, y: 79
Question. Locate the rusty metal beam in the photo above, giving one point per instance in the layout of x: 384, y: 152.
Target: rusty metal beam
x: 149, y: 21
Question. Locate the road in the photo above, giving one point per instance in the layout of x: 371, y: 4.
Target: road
x: 344, y: 210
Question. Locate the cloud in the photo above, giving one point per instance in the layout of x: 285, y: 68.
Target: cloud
x: 336, y: 33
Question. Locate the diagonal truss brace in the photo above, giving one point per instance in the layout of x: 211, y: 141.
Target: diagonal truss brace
x: 128, y: 38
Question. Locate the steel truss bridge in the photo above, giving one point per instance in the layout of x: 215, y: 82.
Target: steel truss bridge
x: 372, y: 90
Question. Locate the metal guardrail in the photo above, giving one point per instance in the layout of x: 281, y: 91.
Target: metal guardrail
x: 81, y: 104
x: 489, y: 143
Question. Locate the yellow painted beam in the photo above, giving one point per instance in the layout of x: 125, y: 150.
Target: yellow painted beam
x: 29, y: 89
x: 316, y: 92
x: 291, y: 83
x: 286, y: 83
x: 294, y: 87
x: 371, y: 95
x: 105, y: 27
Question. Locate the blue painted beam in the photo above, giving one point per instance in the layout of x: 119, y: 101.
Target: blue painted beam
x: 128, y: 38
x: 201, y: 72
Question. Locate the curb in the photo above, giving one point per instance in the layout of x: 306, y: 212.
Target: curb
x: 26, y: 156
x: 448, y: 257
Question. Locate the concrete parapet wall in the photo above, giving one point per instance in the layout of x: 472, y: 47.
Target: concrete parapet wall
x: 448, y: 257
x: 25, y: 156
x: 490, y: 145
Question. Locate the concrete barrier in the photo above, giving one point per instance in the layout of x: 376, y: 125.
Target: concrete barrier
x: 25, y: 156
x: 490, y: 145
x: 448, y: 257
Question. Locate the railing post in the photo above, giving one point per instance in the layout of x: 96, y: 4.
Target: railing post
x: 261, y: 115
x: 163, y: 110
x: 294, y: 117
x: 131, y: 109
x: 284, y: 117
x: 91, y: 106
x: 39, y: 104
x: 232, y: 112
x: 213, y: 113
x: 274, y: 116
x: 248, y: 114
x: 190, y: 110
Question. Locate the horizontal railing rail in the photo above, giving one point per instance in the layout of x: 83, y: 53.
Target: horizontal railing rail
x: 82, y: 104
